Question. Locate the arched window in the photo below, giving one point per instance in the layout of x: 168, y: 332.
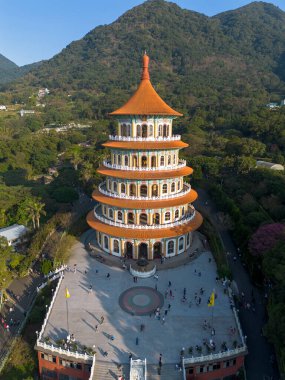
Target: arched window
x: 133, y: 190
x: 178, y: 185
x: 183, y: 210
x: 162, y: 161
x: 173, y: 187
x: 174, y: 159
x: 165, y: 130
x: 144, y: 130
x: 139, y: 131
x: 124, y: 130
x: 167, y: 216
x: 108, y: 184
x: 143, y: 191
x: 123, y: 188
x: 144, y: 161
x: 181, y: 243
x: 150, y: 130
x: 100, y: 238
x: 154, y: 191
x: 169, y: 160
x: 135, y: 161
x: 156, y: 218
x: 120, y: 216
x: 153, y: 161
x: 116, y: 246
x: 119, y: 159
x: 164, y: 188
x: 106, y: 242
x: 143, y: 218
x: 176, y: 214
x: 126, y: 160
x: 128, y: 130
x: 160, y: 130
x: 131, y: 218
x: 111, y: 213
x: 115, y: 186
x: 104, y: 210
x: 170, y: 247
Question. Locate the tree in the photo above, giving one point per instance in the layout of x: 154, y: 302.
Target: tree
x: 31, y: 210
x: 265, y: 238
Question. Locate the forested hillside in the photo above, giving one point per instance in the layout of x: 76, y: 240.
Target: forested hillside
x: 228, y: 63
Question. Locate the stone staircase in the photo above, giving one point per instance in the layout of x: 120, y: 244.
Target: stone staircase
x: 168, y: 372
x: 110, y: 371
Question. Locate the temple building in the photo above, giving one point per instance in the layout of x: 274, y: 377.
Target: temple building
x: 145, y: 208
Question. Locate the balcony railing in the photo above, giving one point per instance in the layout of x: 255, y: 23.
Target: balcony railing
x: 181, y: 164
x: 187, y: 218
x: 61, y: 351
x: 186, y: 190
x: 142, y: 139
x: 219, y: 355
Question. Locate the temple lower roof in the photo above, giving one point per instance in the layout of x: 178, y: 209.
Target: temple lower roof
x: 145, y: 145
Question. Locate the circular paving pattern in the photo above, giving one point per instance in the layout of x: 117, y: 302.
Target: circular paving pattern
x: 141, y: 300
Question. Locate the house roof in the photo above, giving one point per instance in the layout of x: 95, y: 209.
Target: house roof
x: 134, y: 233
x: 145, y: 204
x: 145, y: 101
x: 145, y: 145
x: 13, y: 232
x: 146, y: 174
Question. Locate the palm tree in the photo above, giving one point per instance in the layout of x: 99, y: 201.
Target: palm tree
x: 35, y: 209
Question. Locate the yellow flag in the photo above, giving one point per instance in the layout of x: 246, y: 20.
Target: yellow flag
x: 212, y: 299
x: 67, y: 294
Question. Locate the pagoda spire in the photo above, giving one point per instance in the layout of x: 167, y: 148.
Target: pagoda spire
x: 145, y: 72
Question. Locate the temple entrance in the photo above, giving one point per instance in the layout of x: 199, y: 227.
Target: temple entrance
x: 143, y: 248
x: 129, y: 250
x: 157, y: 248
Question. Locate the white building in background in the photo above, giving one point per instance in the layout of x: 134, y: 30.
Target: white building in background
x: 14, y: 234
x: 269, y: 165
x: 3, y: 108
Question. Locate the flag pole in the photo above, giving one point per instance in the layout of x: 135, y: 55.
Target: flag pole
x: 67, y: 316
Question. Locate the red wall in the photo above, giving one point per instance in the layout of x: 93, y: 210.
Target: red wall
x: 79, y: 373
x: 218, y: 373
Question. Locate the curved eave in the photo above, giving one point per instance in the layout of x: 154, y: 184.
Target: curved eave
x: 147, y: 145
x: 145, y: 204
x: 130, y: 233
x: 145, y: 175
x: 145, y: 101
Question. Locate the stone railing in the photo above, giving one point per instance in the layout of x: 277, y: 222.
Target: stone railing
x: 50, y: 308
x: 54, y: 277
x: 138, y: 370
x: 186, y: 190
x: 218, y: 356
x: 181, y: 164
x: 179, y: 222
x: 61, y: 351
x: 140, y: 274
x: 142, y: 139
x: 92, y: 368
x: 57, y: 270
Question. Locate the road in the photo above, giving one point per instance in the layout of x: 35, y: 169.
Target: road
x: 258, y: 362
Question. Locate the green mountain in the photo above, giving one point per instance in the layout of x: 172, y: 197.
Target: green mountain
x: 9, y: 71
x: 230, y: 62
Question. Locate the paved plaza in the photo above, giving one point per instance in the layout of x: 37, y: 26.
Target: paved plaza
x: 181, y: 324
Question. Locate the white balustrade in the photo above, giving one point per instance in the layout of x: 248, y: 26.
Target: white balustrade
x: 92, y: 368
x: 219, y: 355
x: 181, y: 164
x: 142, y: 139
x: 186, y: 190
x: 186, y: 219
x: 61, y: 351
x: 141, y: 274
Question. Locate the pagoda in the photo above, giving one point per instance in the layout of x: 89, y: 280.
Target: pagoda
x: 145, y: 208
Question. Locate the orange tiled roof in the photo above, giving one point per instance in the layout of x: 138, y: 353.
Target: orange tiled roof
x: 193, y: 225
x: 145, y: 145
x: 145, y: 204
x: 144, y: 175
x: 145, y: 101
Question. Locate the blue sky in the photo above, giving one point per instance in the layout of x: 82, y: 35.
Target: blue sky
x: 32, y: 30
